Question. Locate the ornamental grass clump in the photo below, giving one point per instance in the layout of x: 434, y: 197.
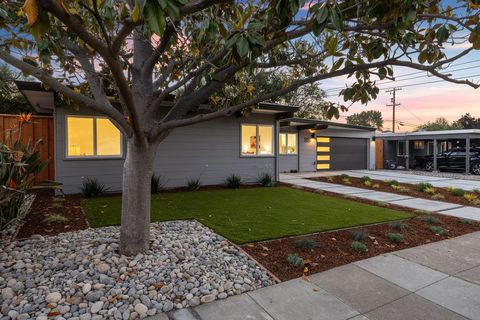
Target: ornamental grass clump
x: 233, y: 181
x: 359, y: 235
x: 458, y: 192
x: 438, y: 196
x: 399, y: 225
x: 424, y: 187
x: 365, y: 179
x: 467, y: 221
x: 193, y: 184
x: 396, y: 237
x: 306, y: 243
x: 344, y: 176
x: 294, y: 260
x: 357, y: 246
x: 156, y: 184
x: 470, y: 197
x: 92, y: 188
x: 392, y: 182
x: 438, y: 230
x: 265, y: 180
x: 55, y: 218
x: 431, y: 219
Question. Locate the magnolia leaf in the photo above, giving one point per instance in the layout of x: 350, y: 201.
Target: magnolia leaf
x: 336, y: 19
x: 136, y: 12
x: 322, y: 15
x: 30, y: 7
x: 242, y: 47
x: 442, y: 34
x: 337, y: 64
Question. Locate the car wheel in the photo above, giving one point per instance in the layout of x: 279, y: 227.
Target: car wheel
x: 429, y: 166
x: 476, y: 168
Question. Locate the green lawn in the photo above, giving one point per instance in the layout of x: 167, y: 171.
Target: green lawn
x: 248, y: 215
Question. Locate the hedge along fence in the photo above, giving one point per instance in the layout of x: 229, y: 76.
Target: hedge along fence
x: 39, y: 128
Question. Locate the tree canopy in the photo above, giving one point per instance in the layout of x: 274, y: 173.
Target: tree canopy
x: 11, y: 100
x: 370, y: 118
x: 439, y: 124
x: 143, y: 52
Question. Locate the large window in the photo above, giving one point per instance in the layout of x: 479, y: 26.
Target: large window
x: 257, y: 140
x: 288, y: 143
x: 92, y: 137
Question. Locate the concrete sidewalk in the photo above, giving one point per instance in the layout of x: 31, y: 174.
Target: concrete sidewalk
x: 446, y: 208
x: 435, y: 281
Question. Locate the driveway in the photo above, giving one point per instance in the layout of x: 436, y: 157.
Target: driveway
x: 400, y: 176
x: 435, y: 281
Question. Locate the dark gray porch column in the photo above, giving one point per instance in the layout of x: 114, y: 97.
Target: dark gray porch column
x: 467, y: 155
x: 407, y: 155
x: 435, y: 152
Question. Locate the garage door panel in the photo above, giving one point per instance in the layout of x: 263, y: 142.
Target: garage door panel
x: 348, y: 153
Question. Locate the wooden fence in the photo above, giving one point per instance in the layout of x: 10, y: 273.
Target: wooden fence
x: 40, y: 128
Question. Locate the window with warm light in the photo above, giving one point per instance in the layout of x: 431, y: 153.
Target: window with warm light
x: 288, y: 143
x: 257, y: 140
x: 92, y: 137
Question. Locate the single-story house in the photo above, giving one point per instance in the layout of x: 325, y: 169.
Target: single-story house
x: 403, y: 149
x: 269, y: 140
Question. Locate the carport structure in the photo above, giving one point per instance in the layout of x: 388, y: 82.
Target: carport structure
x: 401, y: 149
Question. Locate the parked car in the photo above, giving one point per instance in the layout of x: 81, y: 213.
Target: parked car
x: 451, y: 160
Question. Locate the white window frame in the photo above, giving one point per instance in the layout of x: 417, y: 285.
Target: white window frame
x: 94, y: 156
x: 257, y: 125
x: 286, y: 141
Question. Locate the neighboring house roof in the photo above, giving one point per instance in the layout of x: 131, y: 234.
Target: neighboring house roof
x: 321, y: 124
x: 441, y: 134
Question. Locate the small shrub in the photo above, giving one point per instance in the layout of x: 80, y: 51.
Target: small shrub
x: 396, y: 237
x: 376, y: 186
x: 431, y: 219
x: 155, y: 183
x: 467, y: 221
x: 265, y: 179
x: 367, y: 183
x: 438, y: 196
x: 193, y: 184
x: 458, y: 192
x: 438, y: 230
x: 429, y: 191
x: 422, y: 186
x: 470, y: 197
x: 306, y: 243
x: 449, y: 188
x: 233, y: 181
x: 359, y: 235
x: 395, y: 187
x: 330, y: 179
x: 295, y: 260
x: 365, y: 178
x: 358, y: 246
x: 399, y: 225
x: 54, y: 218
x: 92, y: 188
x: 344, y: 176
x: 346, y: 181
x: 392, y: 182
x: 383, y: 204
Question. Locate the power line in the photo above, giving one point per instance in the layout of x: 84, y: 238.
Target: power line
x: 414, y: 84
x: 424, y: 74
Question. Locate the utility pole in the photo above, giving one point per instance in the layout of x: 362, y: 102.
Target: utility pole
x: 394, y: 103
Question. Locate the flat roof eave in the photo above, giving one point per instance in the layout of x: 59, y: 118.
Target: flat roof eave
x: 322, y: 123
x: 445, y: 134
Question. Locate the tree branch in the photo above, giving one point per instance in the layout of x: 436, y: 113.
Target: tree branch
x: 43, y: 76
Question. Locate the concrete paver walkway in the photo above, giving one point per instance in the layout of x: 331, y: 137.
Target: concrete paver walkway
x: 446, y: 208
x: 434, y: 281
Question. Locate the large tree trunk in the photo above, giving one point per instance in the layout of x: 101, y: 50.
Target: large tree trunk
x: 136, y: 197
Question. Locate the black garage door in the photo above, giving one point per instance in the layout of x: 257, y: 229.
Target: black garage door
x: 341, y: 153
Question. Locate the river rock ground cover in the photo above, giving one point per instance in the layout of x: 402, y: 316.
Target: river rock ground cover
x: 81, y: 275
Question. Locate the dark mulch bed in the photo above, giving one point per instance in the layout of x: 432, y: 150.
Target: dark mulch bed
x: 413, y: 192
x: 335, y: 246
x: 46, y: 204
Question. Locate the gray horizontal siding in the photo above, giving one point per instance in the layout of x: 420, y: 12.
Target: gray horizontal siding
x: 209, y: 150
x: 288, y: 163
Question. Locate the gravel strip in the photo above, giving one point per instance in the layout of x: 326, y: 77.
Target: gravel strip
x: 80, y: 275
x: 449, y: 175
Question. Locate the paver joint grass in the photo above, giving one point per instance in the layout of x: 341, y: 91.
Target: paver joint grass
x: 249, y: 215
